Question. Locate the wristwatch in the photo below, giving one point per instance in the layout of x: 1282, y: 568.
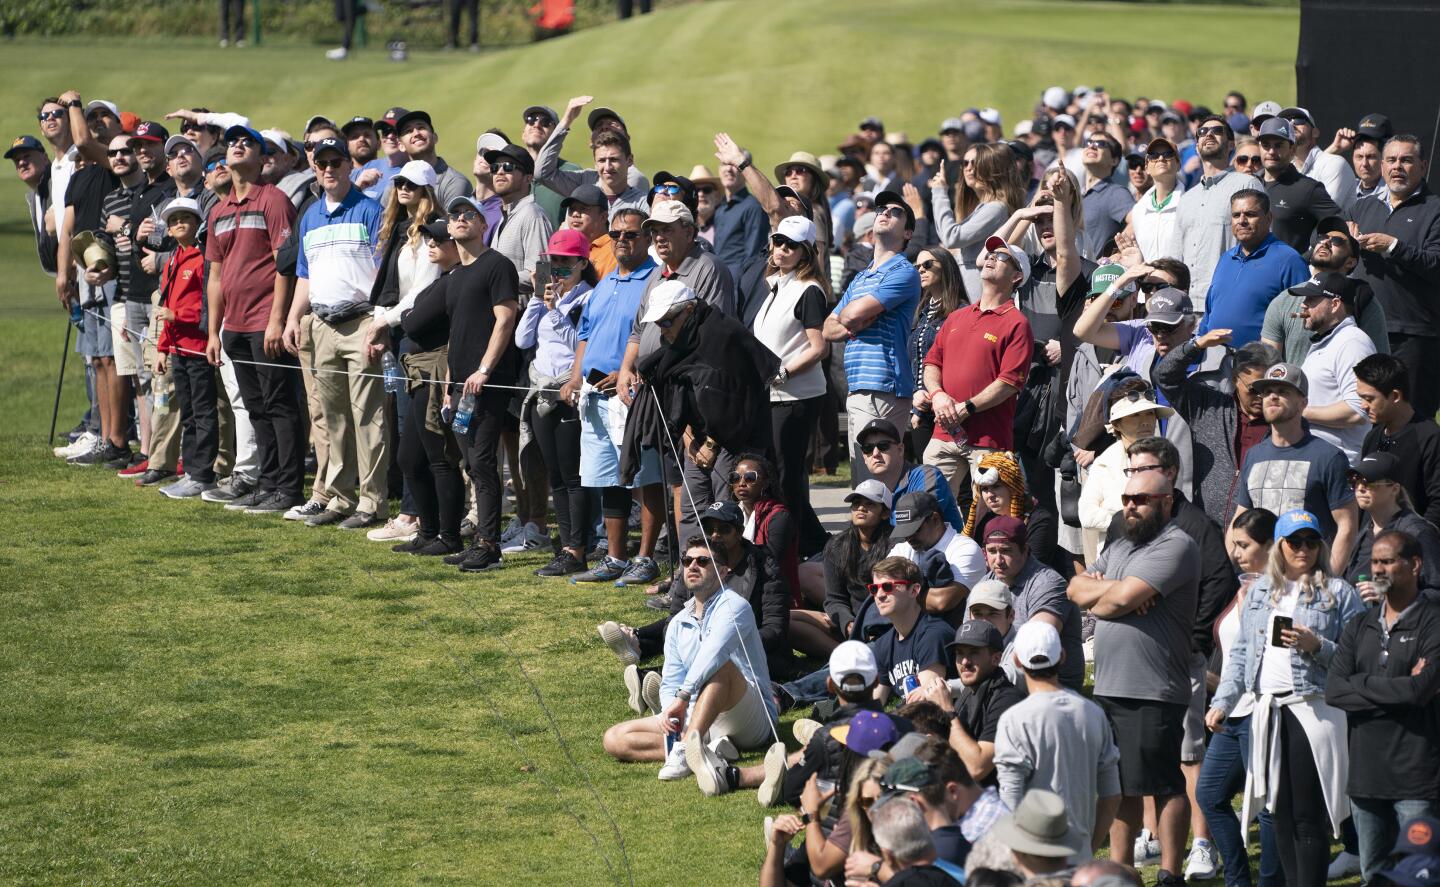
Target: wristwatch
x: 744, y: 165
x: 75, y: 104
x: 806, y: 818
x: 682, y: 695
x: 875, y: 870
x: 969, y: 407
x: 484, y: 370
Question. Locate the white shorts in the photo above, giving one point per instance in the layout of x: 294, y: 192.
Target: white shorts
x: 129, y: 355
x: 602, y: 431
x: 747, y: 724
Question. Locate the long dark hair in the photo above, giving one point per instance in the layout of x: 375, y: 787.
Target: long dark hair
x: 855, y: 562
x: 951, y: 287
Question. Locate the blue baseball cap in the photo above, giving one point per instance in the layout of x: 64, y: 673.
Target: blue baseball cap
x: 1295, y: 521
x: 24, y: 143
x: 1417, y: 870
x: 235, y: 131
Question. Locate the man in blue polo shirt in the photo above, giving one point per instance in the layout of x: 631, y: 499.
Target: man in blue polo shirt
x: 334, y: 273
x: 604, y: 333
x: 1252, y: 273
x: 873, y: 319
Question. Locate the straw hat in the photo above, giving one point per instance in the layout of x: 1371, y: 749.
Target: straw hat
x: 701, y: 175
x: 95, y: 253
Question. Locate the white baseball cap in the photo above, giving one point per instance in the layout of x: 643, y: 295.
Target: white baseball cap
x: 176, y: 141
x: 418, y: 172
x: 1024, y: 128
x: 489, y: 142
x: 990, y: 116
x: 102, y: 105
x: 797, y: 229
x: 182, y: 204
x: 1022, y: 261
x: 1056, y: 98
x: 873, y: 491
x: 666, y: 297
x: 853, y: 659
x: 1037, y: 645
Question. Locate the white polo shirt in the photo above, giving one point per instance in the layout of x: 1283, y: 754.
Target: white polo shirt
x: 966, y: 559
x: 1330, y: 369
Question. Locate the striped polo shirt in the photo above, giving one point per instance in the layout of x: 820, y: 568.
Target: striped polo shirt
x: 878, y: 357
x: 337, y: 250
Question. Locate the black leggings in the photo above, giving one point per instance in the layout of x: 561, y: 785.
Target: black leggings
x: 431, y: 475
x: 615, y: 502
x: 557, y: 432
x: 481, y: 445
x: 792, y: 422
x: 1302, y: 822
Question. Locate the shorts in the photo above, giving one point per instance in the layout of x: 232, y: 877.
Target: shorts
x: 1149, y: 735
x: 95, y: 339
x: 129, y: 353
x: 1192, y: 747
x: 747, y: 724
x: 602, y: 431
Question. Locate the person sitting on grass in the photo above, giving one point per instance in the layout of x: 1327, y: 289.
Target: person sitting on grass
x: 844, y: 572
x: 710, y: 687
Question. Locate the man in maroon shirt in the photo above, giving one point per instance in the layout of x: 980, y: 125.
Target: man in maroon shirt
x: 246, y: 228
x: 976, y: 367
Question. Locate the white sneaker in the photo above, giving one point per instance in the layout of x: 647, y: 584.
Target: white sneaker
x: 337, y: 54
x: 631, y: 677
x: 80, y: 445
x: 708, y: 767
x: 1147, y: 848
x: 1345, y: 865
x: 1202, y: 863
x: 622, y: 641
x: 770, y: 790
x: 531, y: 538
x: 401, y: 528
x: 722, y: 746
x: 803, y: 729
x: 769, y: 831
x: 675, y: 764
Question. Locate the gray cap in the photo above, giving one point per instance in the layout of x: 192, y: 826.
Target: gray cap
x: 1168, y: 305
x: 586, y: 195
x: 1283, y: 374
x: 1278, y: 127
x: 952, y: 124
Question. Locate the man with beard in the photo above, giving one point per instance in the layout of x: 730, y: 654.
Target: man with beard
x: 1202, y: 223
x: 1295, y: 469
x: 1143, y: 590
x: 1335, y: 250
x: 1299, y: 201
x: 418, y: 139
x: 1336, y: 414
x: 975, y: 713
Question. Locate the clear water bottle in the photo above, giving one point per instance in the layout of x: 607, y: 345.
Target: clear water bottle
x: 463, y: 414
x: 394, y: 379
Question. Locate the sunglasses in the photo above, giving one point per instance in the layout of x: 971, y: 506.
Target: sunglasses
x: 883, y: 446
x: 1097, y: 144
x: 309, y: 146
x: 1305, y: 540
x: 1335, y: 240
x: 538, y: 119
x: 781, y: 242
x: 181, y: 149
x: 506, y: 166
x: 886, y: 587
x: 795, y: 171
x: 1246, y: 159
x: 1002, y: 255
x: 1143, y: 499
x: 666, y: 322
x: 1358, y: 482
x: 211, y: 167
x: 705, y: 190
x: 892, y: 211
x: 967, y: 162
x: 1149, y: 286
x: 56, y: 114
x: 1159, y: 155
x: 405, y: 185
x: 1212, y: 130
x: 244, y: 142
x: 668, y: 190
x: 121, y: 152
x: 335, y: 163
x: 463, y: 215
x: 624, y: 235
x: 927, y: 265
x: 1162, y: 330
x: 562, y: 269
x: 747, y: 476
x: 699, y: 559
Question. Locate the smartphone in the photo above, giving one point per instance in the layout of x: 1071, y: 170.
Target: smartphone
x: 542, y: 275
x: 1280, y: 623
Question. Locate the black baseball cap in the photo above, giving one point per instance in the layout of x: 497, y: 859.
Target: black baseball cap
x: 541, y: 109
x: 389, y: 118
x: 585, y: 195
x: 787, y: 191
x: 150, y: 131
x: 978, y: 633
x: 1376, y: 127
x: 1377, y: 466
x: 353, y: 122
x: 1330, y: 285
x: 910, y: 512
x: 330, y: 143
x: 1336, y: 225
x: 411, y: 117
x: 687, y: 187
x: 437, y: 231
x: 728, y: 512
x: 930, y: 144
x: 600, y: 114
x: 519, y: 155
x: 24, y: 143
x: 890, y: 198
x: 879, y: 426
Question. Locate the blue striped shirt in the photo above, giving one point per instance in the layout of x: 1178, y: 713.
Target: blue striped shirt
x: 337, y: 249
x: 878, y: 359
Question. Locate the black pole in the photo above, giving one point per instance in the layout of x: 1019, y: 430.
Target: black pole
x: 60, y: 382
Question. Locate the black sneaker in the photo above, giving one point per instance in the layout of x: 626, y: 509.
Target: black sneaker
x: 456, y: 557
x: 1166, y: 879
x: 440, y: 546
x: 240, y: 503
x: 563, y: 564
x: 153, y: 476
x: 102, y: 455
x: 124, y: 458
x: 416, y: 543
x: 275, y: 503
x: 481, y: 557
x: 233, y: 488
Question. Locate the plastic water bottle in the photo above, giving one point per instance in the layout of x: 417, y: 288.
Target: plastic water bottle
x: 77, y: 314
x: 394, y: 379
x: 463, y: 414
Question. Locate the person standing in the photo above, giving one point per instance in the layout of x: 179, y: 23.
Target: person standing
x: 1247, y: 277
x: 1299, y: 201
x: 246, y: 320
x: 1399, y: 235
x: 1396, y: 427
x: 988, y: 191
x: 1336, y: 414
x: 740, y: 223
x: 1107, y: 204
x: 455, y: 9
x: 1384, y: 506
x: 1157, y: 210
x: 1330, y: 170
x: 1385, y: 674
x: 419, y: 140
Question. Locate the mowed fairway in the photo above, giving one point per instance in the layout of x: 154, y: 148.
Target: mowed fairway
x: 193, y: 696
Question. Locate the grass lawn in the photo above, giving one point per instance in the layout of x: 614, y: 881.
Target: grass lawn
x: 195, y: 696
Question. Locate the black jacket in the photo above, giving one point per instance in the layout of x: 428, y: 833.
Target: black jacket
x: 1298, y: 203
x: 1417, y: 448
x: 1218, y: 583
x: 1406, y: 521
x: 1405, y: 281
x: 1393, y: 716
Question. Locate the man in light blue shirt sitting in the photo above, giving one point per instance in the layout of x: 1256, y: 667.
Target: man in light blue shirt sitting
x: 714, y: 689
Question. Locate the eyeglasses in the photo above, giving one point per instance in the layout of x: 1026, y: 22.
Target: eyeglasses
x: 181, y: 150
x: 747, y: 476
x: 1002, y: 255
x: 1246, y: 159
x: 886, y: 587
x: 624, y: 235
x: 891, y: 211
x: 538, y: 119
x: 56, y: 114
x: 1159, y: 155
x: 780, y: 242
x: 1131, y: 472
x: 463, y: 215
x: 121, y: 152
x: 405, y: 184
x: 927, y: 265
x: 699, y: 560
x: 669, y: 190
x: 1162, y: 330
x: 880, y: 445
x: 334, y: 163
x: 1212, y: 130
x: 967, y: 162
x: 1143, y: 499
x: 1305, y: 540
x: 506, y: 166
x: 242, y: 142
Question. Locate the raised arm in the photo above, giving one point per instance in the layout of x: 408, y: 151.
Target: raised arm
x: 726, y: 151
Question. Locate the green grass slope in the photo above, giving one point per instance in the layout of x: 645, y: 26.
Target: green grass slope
x: 192, y: 696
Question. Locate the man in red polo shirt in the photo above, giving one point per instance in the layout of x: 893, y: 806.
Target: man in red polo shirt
x: 976, y: 367
x: 246, y: 228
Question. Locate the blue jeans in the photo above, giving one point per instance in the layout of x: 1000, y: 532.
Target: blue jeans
x: 809, y: 689
x: 1222, y: 777
x: 1377, y: 825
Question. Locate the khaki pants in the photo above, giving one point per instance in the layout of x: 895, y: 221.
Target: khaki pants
x: 164, y: 411
x: 860, y: 408
x: 319, y: 437
x: 958, y: 464
x: 352, y: 411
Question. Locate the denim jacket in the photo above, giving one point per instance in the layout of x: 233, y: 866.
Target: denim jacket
x: 1325, y: 615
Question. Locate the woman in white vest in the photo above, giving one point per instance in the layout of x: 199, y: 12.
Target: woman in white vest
x: 788, y: 323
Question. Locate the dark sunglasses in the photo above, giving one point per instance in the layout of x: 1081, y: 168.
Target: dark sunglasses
x: 538, y: 119
x: 561, y: 269
x: 699, y: 559
x: 241, y: 142
x: 669, y: 190
x: 887, y: 587
x: 181, y: 149
x: 121, y: 152
x: 56, y: 114
x: 1099, y: 144
x: 1335, y: 240
x: 705, y: 190
x: 883, y: 446
x: 334, y: 163
x: 1212, y: 130
x: 927, y: 265
x: 463, y: 215
x: 1159, y: 155
x: 1149, y: 286
x: 624, y: 235
x: 1142, y: 499
x: 779, y: 241
x: 505, y: 166
x: 1303, y: 540
x: 1246, y: 159
x: 405, y: 184
x: 892, y: 211
x: 748, y: 476
x: 1162, y: 330
x: 666, y: 322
